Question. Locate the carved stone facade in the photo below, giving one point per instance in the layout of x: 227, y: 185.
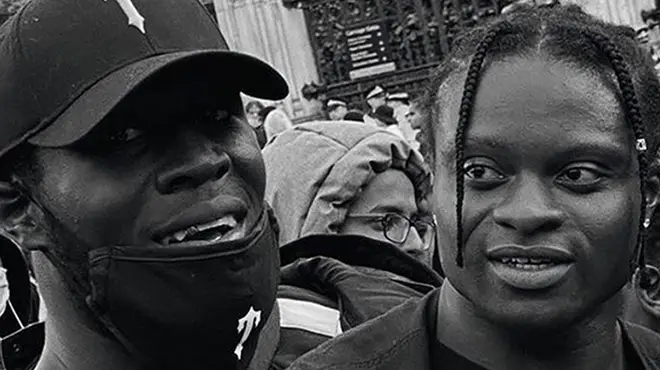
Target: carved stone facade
x: 307, y: 40
x: 624, y: 12
x: 265, y: 28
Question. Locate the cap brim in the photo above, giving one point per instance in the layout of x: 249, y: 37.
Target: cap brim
x: 245, y: 73
x: 375, y: 94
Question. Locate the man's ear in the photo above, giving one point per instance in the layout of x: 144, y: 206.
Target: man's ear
x: 18, y: 216
x: 647, y: 289
x: 652, y: 191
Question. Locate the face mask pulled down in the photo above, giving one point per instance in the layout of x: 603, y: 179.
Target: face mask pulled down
x: 174, y: 307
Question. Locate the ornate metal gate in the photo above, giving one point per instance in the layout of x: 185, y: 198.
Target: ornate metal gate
x: 410, y: 37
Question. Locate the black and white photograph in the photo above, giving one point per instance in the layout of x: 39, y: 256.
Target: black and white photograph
x: 329, y: 184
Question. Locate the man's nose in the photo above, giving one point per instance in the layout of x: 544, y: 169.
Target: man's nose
x: 414, y: 244
x: 192, y: 160
x: 529, y: 208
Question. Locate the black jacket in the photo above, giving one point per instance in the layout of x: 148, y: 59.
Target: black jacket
x: 332, y: 283
x: 404, y: 338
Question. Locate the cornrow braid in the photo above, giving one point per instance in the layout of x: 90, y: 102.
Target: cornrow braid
x: 467, y: 103
x: 633, y: 112
x: 562, y: 33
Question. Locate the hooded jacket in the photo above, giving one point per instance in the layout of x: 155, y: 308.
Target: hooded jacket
x: 332, y: 283
x: 316, y: 170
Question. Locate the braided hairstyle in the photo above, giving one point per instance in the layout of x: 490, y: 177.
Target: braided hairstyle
x: 559, y: 33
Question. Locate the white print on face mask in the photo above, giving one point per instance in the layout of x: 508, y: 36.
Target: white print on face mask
x: 4, y: 290
x: 135, y: 19
x: 246, y: 324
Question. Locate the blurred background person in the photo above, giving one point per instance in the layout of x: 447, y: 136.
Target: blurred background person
x: 314, y: 96
x: 336, y: 109
x: 276, y: 121
x: 252, y: 109
x: 400, y: 102
x: 354, y: 115
x: 260, y: 130
x: 253, y: 114
x: 21, y: 327
x: 384, y: 117
x: 376, y: 97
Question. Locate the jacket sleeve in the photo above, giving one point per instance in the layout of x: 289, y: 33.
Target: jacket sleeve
x: 321, y: 297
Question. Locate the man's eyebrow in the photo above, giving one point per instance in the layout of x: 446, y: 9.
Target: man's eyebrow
x: 485, y: 142
x: 448, y: 147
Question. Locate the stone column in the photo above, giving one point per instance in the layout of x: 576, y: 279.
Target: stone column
x: 268, y: 30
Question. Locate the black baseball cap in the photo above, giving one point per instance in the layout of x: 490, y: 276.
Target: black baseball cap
x: 65, y: 64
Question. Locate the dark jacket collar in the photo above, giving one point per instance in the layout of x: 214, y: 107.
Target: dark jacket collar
x: 357, y: 250
x: 402, y: 339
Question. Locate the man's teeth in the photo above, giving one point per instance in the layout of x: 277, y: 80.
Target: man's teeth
x: 224, y: 225
x: 527, y: 263
x: 226, y: 221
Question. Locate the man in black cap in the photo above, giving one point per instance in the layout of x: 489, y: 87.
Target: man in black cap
x: 130, y: 173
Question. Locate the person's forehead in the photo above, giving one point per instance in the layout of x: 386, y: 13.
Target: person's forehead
x: 391, y: 187
x: 536, y: 92
x: 530, y: 79
x: 554, y: 92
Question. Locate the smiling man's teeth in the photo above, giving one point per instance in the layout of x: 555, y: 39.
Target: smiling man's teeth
x: 225, y: 226
x: 227, y: 221
x: 527, y: 263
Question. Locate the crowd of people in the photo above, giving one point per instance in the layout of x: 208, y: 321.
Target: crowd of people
x: 392, y: 112
x: 150, y: 219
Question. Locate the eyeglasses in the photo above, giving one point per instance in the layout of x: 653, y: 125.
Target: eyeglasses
x: 396, y: 227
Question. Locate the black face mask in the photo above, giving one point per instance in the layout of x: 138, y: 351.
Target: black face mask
x: 174, y: 307
x: 179, y: 308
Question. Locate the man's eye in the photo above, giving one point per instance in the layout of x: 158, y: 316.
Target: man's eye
x: 579, y: 176
x: 480, y: 172
x: 125, y: 136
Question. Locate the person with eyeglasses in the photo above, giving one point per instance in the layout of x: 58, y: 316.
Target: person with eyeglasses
x: 412, y: 234
x: 356, y: 232
x: 350, y: 179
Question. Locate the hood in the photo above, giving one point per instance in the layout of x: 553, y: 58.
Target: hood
x: 315, y: 170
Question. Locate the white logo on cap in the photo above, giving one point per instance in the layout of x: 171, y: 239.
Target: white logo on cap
x: 246, y: 325
x: 135, y: 19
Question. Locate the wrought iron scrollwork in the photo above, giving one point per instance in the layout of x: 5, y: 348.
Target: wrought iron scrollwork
x: 419, y: 34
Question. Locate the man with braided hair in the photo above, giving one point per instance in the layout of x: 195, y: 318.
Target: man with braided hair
x: 539, y: 124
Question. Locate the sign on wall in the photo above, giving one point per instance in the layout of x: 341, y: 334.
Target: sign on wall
x: 369, y: 50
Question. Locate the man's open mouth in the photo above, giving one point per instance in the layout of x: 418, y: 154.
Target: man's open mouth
x: 530, y: 268
x: 528, y: 263
x: 223, y: 229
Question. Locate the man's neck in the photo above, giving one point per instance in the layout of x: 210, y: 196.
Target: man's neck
x: 592, y: 344
x: 73, y: 338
